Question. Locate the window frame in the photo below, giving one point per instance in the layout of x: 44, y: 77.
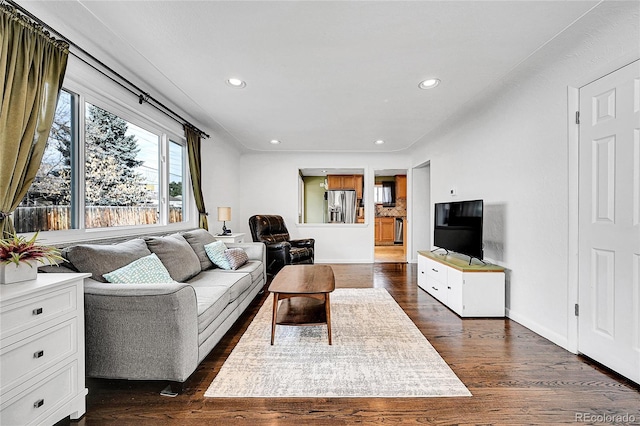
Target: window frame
x: 86, y: 87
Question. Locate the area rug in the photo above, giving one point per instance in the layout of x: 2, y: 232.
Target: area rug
x: 377, y: 351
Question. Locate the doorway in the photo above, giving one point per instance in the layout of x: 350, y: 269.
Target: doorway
x: 390, y: 216
x: 609, y: 221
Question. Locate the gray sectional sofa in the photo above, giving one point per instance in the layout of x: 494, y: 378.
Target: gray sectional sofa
x: 161, y: 331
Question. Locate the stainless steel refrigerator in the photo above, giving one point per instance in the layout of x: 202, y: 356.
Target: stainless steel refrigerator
x: 340, y: 206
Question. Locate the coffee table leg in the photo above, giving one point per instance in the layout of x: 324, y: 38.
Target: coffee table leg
x: 274, y: 317
x: 327, y: 308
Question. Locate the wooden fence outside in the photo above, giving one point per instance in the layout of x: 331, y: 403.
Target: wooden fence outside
x: 56, y: 218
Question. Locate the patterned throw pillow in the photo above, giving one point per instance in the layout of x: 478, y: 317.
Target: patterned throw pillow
x: 146, y: 270
x: 215, y: 251
x: 236, y: 257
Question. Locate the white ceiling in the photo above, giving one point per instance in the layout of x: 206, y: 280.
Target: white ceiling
x: 321, y: 75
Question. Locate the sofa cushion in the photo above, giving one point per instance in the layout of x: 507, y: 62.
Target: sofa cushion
x: 176, y: 254
x: 212, y: 300
x: 252, y: 267
x: 146, y: 270
x: 235, y: 283
x: 215, y: 251
x: 99, y: 259
x: 236, y: 257
x: 197, y: 240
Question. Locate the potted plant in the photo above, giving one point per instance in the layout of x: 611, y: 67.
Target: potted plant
x: 19, y: 258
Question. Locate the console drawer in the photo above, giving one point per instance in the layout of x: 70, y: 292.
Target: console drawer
x: 32, y: 355
x: 436, y: 271
x: 36, y: 402
x: 37, y: 310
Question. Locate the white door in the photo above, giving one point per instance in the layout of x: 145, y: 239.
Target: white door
x: 609, y: 221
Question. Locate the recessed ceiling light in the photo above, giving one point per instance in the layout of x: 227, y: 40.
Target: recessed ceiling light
x: 236, y: 82
x: 379, y: 142
x: 429, y: 84
x: 274, y: 141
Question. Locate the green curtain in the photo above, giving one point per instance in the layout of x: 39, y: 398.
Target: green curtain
x: 32, y: 67
x: 195, y: 166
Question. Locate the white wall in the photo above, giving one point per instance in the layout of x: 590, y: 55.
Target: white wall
x: 270, y: 186
x: 422, y: 229
x: 510, y: 148
x: 221, y: 181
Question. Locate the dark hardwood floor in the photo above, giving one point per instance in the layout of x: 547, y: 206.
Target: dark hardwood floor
x: 516, y: 377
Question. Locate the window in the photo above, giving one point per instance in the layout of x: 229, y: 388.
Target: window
x: 120, y: 182
x: 47, y: 203
x: 121, y: 171
x: 176, y: 181
x: 382, y: 194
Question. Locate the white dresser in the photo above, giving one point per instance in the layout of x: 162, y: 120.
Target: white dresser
x: 42, y: 350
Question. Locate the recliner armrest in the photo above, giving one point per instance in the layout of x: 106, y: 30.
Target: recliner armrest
x: 306, y: 242
x: 280, y: 245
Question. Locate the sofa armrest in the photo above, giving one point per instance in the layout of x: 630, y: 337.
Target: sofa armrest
x: 255, y: 251
x: 141, y: 331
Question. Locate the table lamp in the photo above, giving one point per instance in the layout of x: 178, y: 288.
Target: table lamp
x: 224, y: 214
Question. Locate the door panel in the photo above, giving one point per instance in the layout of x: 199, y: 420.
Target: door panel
x: 609, y: 221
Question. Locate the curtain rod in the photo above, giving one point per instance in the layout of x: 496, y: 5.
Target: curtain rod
x: 119, y: 79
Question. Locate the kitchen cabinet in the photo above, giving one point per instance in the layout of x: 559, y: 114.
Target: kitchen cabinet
x: 401, y: 186
x: 346, y: 182
x: 384, y: 230
x: 340, y: 182
x: 359, y: 185
x: 42, y: 350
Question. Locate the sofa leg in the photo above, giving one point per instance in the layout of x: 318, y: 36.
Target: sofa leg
x: 173, y: 389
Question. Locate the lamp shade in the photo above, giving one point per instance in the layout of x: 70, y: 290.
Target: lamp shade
x: 224, y: 214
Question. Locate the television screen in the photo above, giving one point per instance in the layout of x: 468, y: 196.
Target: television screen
x: 458, y: 227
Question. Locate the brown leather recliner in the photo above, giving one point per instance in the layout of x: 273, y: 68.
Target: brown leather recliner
x: 281, y: 250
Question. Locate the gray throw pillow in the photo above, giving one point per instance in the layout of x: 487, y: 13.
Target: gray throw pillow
x: 236, y: 257
x: 99, y: 259
x: 176, y: 255
x: 198, y: 238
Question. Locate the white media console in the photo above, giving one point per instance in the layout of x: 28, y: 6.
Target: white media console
x: 476, y: 290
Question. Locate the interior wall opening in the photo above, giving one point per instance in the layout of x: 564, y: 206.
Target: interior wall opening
x: 390, y: 215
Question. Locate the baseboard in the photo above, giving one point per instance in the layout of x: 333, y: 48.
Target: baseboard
x: 343, y: 260
x: 550, y: 335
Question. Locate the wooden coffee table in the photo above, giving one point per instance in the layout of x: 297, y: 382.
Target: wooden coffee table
x: 304, y: 291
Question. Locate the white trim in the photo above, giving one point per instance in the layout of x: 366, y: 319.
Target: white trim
x: 573, y: 140
x: 341, y: 260
x: 548, y: 334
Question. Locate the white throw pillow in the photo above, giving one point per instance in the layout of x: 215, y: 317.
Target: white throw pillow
x: 146, y: 270
x: 215, y: 251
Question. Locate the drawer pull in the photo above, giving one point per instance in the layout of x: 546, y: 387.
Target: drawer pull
x: 37, y: 311
x: 39, y: 403
x: 434, y: 269
x: 434, y: 288
x: 38, y: 354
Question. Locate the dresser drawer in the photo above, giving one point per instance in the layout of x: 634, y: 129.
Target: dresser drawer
x: 37, y: 310
x: 32, y: 355
x: 436, y: 271
x: 34, y: 404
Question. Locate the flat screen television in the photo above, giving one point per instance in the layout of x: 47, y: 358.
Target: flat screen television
x: 458, y: 227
